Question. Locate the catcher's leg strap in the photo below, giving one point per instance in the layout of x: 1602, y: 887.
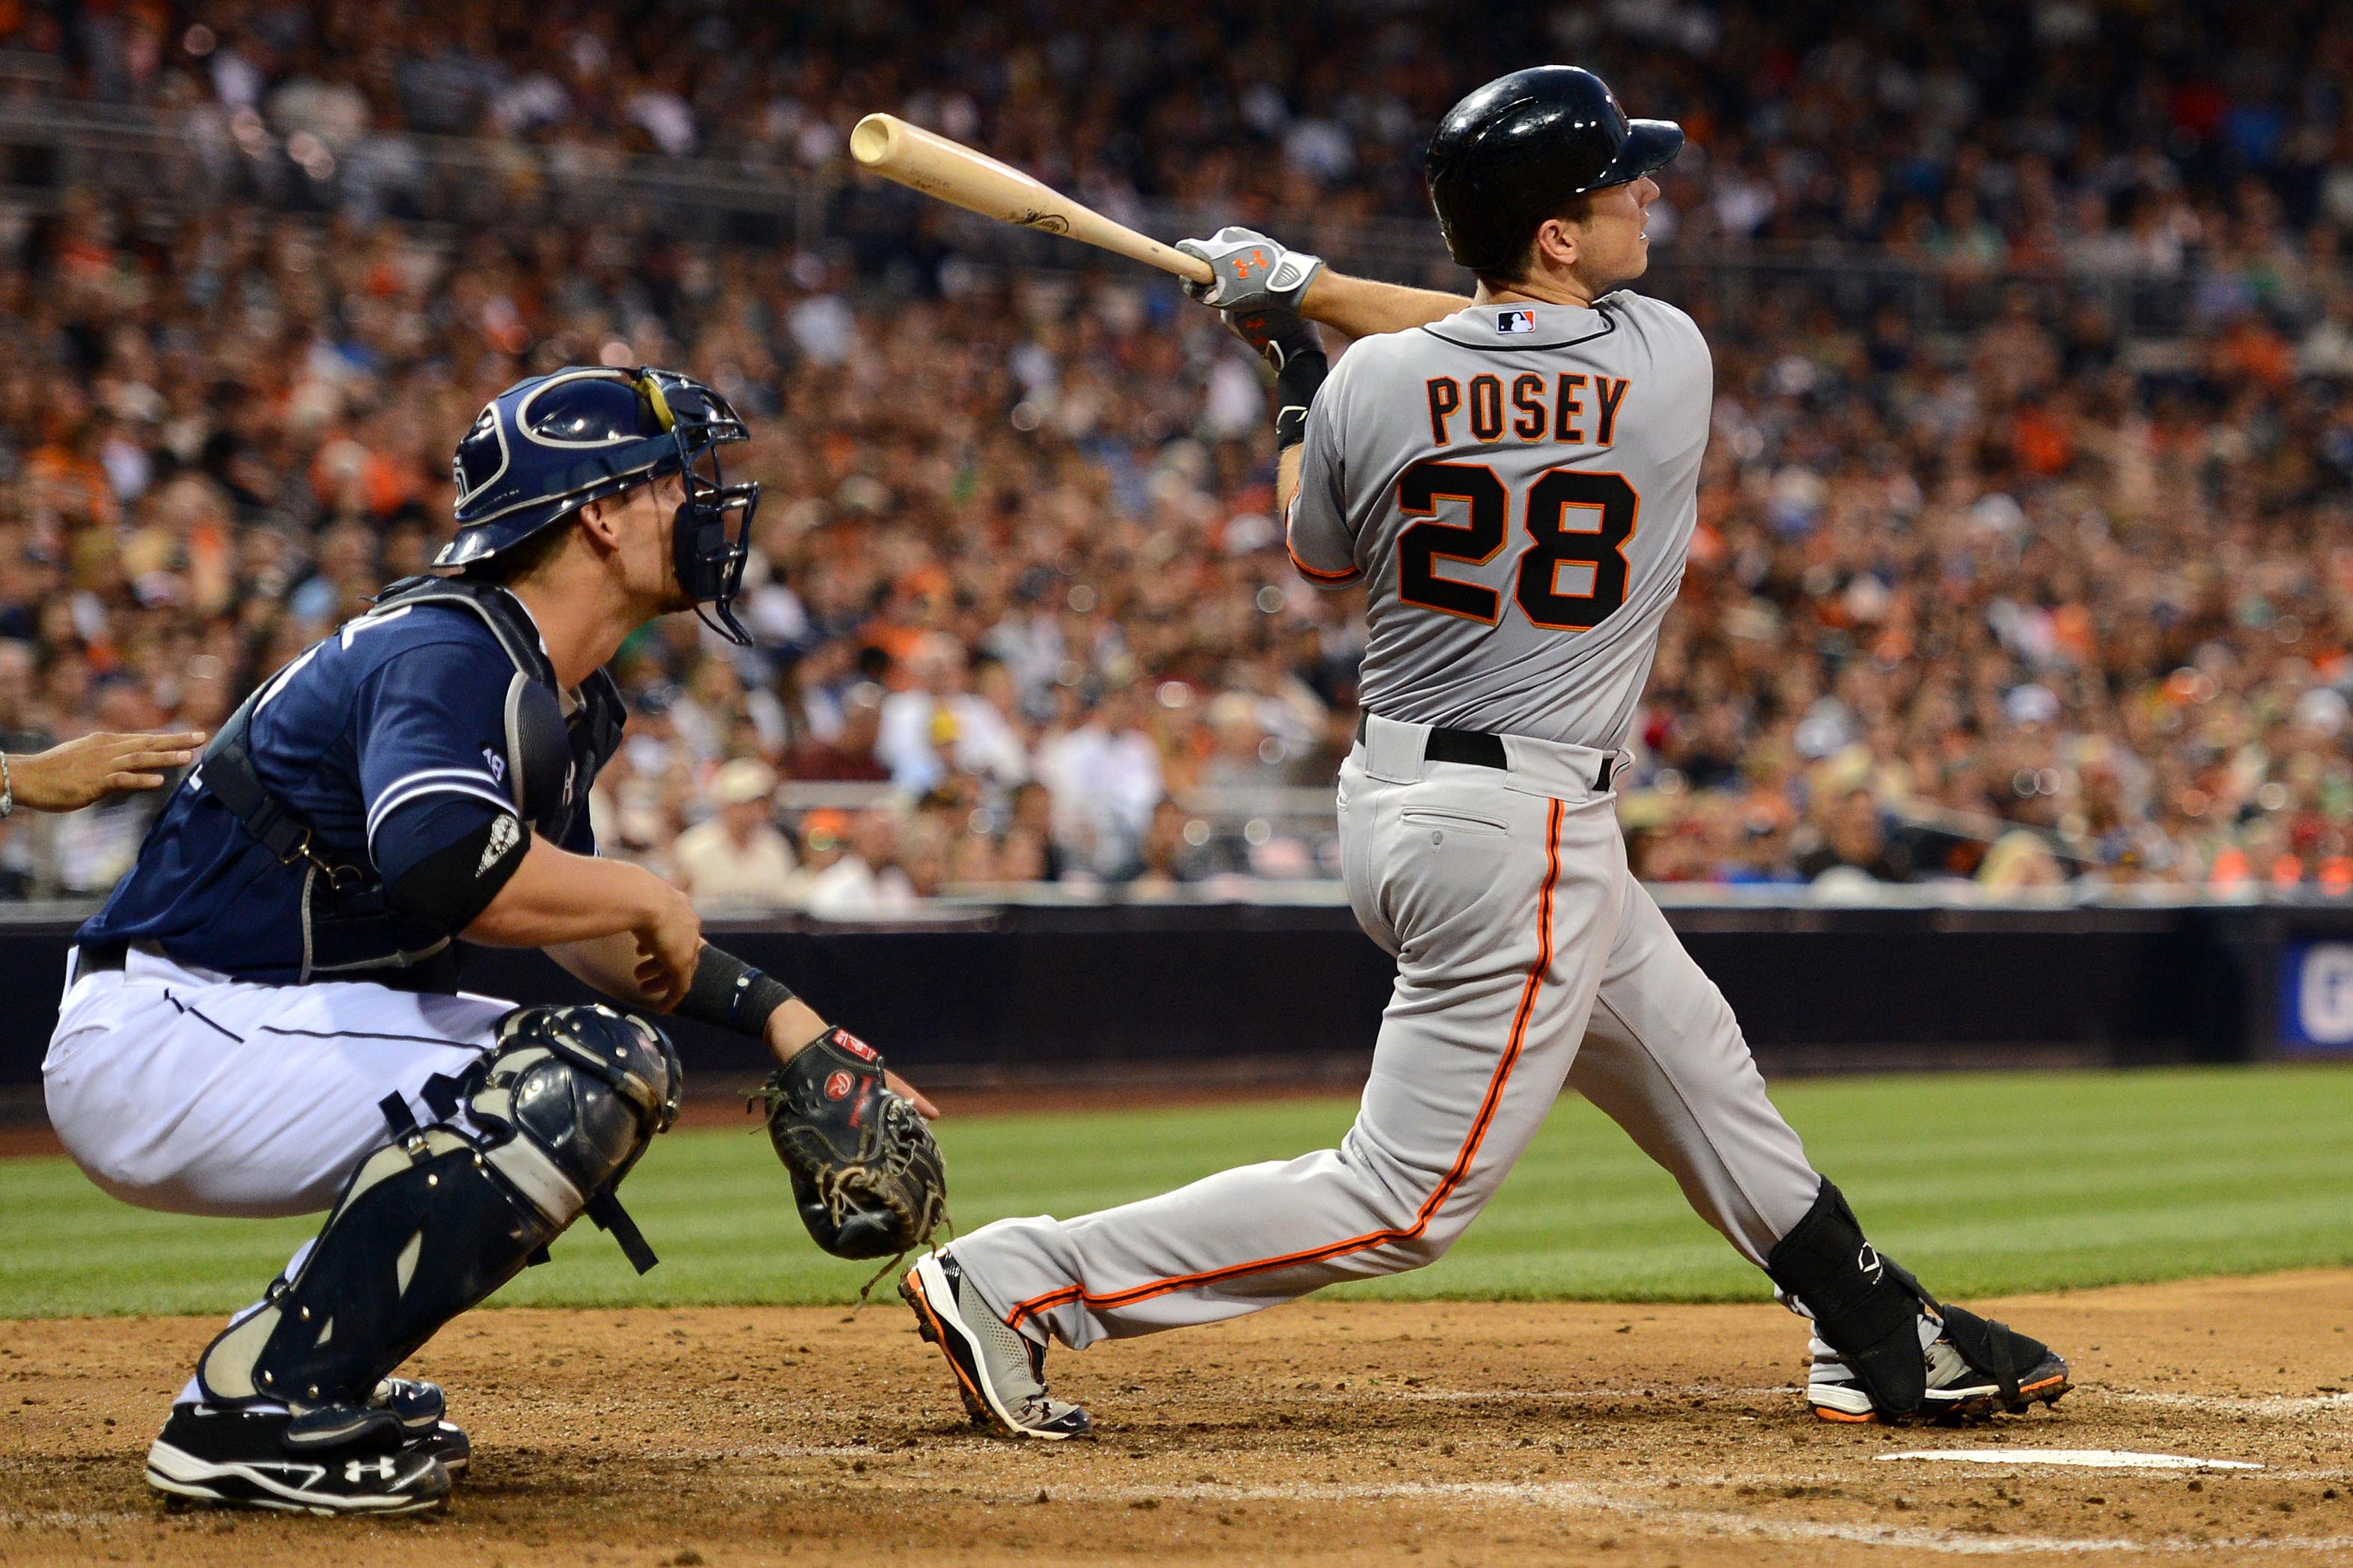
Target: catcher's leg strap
x: 1865, y: 1307
x: 447, y: 1212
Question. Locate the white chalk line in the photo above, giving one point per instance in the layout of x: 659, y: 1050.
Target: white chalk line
x: 2073, y: 1459
x: 2272, y: 1404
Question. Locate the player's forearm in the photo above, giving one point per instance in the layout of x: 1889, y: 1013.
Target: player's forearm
x: 556, y: 896
x: 608, y: 964
x: 1363, y: 308
x: 1286, y: 479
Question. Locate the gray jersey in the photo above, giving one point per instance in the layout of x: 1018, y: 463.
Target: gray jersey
x: 1516, y: 483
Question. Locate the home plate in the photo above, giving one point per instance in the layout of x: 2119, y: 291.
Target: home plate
x: 2081, y: 1458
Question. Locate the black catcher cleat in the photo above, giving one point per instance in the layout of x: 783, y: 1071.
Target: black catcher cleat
x: 336, y: 1459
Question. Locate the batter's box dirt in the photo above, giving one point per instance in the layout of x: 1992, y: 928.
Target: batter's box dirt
x: 1327, y: 1433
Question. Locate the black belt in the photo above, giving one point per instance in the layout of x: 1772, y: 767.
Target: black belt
x: 1473, y: 746
x: 98, y: 957
x: 1481, y: 749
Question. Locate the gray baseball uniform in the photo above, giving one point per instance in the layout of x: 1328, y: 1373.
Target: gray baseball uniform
x: 1516, y: 483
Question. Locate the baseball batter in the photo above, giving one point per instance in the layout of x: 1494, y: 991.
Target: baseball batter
x: 1513, y: 481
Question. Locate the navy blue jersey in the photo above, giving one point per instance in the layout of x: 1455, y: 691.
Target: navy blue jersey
x: 390, y: 739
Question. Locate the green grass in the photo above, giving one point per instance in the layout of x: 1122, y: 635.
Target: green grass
x: 1982, y: 1184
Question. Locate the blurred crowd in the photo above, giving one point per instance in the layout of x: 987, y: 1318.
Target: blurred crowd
x: 2023, y: 602
x: 1017, y: 585
x: 2062, y: 617
x: 1998, y: 135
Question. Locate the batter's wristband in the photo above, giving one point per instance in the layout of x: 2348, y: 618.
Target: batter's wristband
x: 1295, y: 386
x: 729, y: 994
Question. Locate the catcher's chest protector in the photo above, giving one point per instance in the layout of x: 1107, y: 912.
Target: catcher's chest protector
x: 350, y: 929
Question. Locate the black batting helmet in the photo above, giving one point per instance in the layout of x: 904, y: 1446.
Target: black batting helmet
x: 1513, y: 153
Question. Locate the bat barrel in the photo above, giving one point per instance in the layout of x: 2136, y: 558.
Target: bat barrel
x: 873, y: 139
x: 955, y: 174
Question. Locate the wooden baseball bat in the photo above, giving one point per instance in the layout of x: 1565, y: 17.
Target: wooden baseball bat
x: 927, y: 161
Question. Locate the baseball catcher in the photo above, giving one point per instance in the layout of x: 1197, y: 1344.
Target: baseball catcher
x: 1514, y: 477
x: 265, y: 1018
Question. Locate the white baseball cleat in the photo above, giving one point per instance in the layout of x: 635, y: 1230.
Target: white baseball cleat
x: 1000, y: 1374
x: 1957, y: 1391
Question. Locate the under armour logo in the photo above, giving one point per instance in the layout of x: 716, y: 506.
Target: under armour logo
x: 1868, y: 1261
x: 1242, y: 264
x: 355, y: 1470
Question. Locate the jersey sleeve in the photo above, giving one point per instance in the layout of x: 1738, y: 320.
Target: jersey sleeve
x: 430, y: 729
x: 1693, y: 391
x: 1316, y: 529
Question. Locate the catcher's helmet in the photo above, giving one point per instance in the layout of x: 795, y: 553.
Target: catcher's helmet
x: 1513, y: 153
x: 547, y: 446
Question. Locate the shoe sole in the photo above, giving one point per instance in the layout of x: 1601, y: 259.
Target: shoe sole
x: 1853, y: 1407
x: 180, y: 1473
x: 939, y: 1323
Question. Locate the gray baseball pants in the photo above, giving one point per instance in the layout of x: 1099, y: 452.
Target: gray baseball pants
x: 1527, y: 956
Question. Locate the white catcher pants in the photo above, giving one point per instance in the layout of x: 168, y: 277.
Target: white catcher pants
x: 182, y: 1090
x: 1520, y: 937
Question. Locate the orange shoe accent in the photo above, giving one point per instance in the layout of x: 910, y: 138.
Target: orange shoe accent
x: 939, y: 1336
x: 1529, y: 989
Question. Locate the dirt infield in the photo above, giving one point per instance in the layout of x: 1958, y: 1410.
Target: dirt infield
x: 1325, y: 1433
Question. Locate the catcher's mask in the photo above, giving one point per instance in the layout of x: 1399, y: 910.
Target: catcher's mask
x: 547, y: 446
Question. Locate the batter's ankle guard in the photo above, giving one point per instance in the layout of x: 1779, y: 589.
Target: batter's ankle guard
x: 431, y: 1225
x: 1865, y: 1307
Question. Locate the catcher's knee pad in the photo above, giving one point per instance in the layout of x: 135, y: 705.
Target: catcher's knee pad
x: 582, y: 1091
x: 431, y: 1225
x: 1865, y: 1307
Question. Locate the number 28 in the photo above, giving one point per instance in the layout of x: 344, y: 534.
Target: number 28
x: 1553, y: 543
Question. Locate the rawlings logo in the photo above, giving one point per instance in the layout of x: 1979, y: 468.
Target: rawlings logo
x: 838, y: 1086
x: 855, y: 1046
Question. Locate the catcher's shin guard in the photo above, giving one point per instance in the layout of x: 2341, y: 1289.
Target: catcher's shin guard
x: 434, y: 1223
x: 1865, y: 1307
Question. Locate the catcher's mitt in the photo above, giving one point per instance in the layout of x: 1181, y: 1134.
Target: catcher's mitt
x: 867, y: 1176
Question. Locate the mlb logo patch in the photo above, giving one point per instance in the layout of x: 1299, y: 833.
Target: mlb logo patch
x: 1516, y: 321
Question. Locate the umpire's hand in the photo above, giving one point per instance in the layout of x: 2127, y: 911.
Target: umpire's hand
x: 70, y: 776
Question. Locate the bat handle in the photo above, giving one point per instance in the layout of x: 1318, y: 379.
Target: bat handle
x: 1191, y: 267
